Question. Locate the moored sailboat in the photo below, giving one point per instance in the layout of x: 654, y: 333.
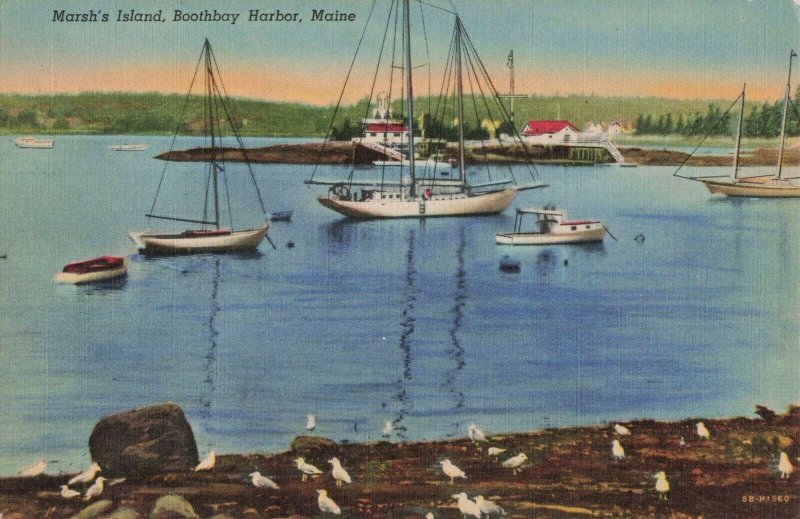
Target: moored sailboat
x: 764, y: 186
x: 211, y: 237
x: 420, y: 191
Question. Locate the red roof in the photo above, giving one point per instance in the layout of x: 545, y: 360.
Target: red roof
x: 386, y: 127
x: 540, y: 127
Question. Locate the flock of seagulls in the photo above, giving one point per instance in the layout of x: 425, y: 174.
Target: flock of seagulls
x: 468, y: 507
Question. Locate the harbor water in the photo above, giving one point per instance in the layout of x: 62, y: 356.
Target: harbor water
x: 364, y: 322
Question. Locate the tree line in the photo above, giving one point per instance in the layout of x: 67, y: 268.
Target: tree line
x: 760, y: 121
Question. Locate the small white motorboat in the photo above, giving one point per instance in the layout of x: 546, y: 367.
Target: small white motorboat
x: 102, y: 268
x: 128, y: 147
x: 553, y: 229
x: 32, y: 142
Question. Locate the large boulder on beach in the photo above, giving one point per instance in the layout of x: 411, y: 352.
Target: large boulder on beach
x: 147, y: 440
x: 306, y: 445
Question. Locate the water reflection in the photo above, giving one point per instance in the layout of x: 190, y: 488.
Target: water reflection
x: 456, y: 351
x: 407, y: 326
x: 207, y: 391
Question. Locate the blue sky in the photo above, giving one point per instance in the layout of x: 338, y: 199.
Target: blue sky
x: 675, y: 48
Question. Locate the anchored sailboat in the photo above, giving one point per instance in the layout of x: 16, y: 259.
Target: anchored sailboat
x: 776, y: 186
x: 211, y: 237
x: 422, y: 191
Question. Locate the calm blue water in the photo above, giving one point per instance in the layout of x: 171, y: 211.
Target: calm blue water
x: 363, y: 322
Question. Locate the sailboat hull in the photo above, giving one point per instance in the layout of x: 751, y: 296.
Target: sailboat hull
x: 753, y: 188
x: 455, y: 205
x: 236, y: 241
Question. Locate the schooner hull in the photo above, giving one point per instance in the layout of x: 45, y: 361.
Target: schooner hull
x: 236, y: 241
x: 753, y: 189
x: 463, y: 205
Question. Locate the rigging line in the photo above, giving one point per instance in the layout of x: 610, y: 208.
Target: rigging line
x: 707, y: 135
x: 224, y: 103
x: 439, y: 8
x: 491, y: 115
x: 341, y: 94
x: 506, y: 116
x: 444, y: 91
x: 391, y: 84
x: 178, y: 126
x: 427, y: 53
x: 478, y: 119
x: 372, y: 88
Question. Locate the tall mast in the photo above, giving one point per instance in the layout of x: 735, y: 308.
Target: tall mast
x: 210, y: 101
x: 785, y: 108
x: 409, y: 95
x: 511, y: 82
x: 460, y: 103
x: 738, y: 137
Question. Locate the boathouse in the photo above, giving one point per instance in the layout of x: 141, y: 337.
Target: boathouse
x: 549, y: 132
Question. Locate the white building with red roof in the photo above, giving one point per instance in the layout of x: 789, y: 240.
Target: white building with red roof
x: 549, y: 132
x: 383, y: 129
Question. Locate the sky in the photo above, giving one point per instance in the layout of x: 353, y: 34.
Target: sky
x: 664, y: 48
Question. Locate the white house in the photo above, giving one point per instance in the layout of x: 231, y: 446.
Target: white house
x: 593, y: 128
x: 549, y: 132
x: 386, y: 133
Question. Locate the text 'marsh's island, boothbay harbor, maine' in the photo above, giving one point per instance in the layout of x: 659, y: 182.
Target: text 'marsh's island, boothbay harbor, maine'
x: 400, y: 259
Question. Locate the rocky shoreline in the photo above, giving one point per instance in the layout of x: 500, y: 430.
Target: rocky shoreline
x: 569, y: 472
x: 346, y: 153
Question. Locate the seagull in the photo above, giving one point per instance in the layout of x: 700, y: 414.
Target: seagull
x: 452, y: 471
x: 515, y: 462
x: 68, y: 493
x: 95, y: 490
x: 622, y: 430
x: 306, y: 468
x: 34, y: 470
x: 617, y: 450
x: 311, y: 422
x: 326, y: 504
x: 338, y: 472
x: 702, y: 431
x: 208, y: 462
x: 466, y: 506
x: 475, y: 434
x: 388, y: 428
x: 429, y: 515
x: 785, y: 466
x: 682, y: 442
x: 87, y: 475
x: 488, y: 507
x: 662, y: 485
x: 260, y: 481
x: 495, y: 451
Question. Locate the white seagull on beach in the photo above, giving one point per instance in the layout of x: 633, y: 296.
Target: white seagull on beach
x: 326, y: 504
x: 495, y: 451
x: 682, y: 443
x: 260, y: 481
x: 475, y: 433
x: 306, y: 468
x: 621, y: 430
x: 68, y: 493
x: 87, y: 475
x: 311, y: 422
x: 429, y: 515
x: 702, y: 431
x: 662, y: 485
x: 785, y: 466
x: 466, y: 506
x: 488, y: 507
x: 617, y: 451
x: 34, y: 470
x: 338, y: 472
x: 208, y: 462
x: 515, y: 462
x: 95, y: 490
x: 388, y: 428
x: 451, y: 471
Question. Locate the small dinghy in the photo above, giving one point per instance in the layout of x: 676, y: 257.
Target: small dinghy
x: 128, y: 147
x: 90, y: 271
x: 554, y: 228
x: 281, y: 216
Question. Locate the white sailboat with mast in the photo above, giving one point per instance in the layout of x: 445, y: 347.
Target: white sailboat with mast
x: 764, y: 186
x: 210, y: 237
x: 429, y: 195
